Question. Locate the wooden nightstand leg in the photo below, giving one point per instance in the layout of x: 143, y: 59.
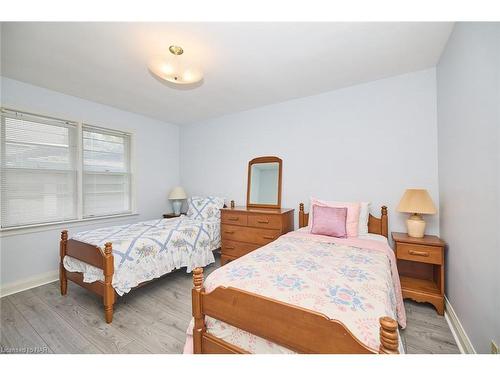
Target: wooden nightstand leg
x: 439, y: 305
x: 437, y: 302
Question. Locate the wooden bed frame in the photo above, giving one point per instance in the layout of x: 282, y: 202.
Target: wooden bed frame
x: 296, y: 328
x: 95, y: 256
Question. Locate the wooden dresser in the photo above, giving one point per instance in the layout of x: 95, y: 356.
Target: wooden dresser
x: 245, y: 229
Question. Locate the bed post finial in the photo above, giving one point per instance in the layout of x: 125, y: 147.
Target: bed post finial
x: 198, y: 278
x: 388, y: 336
x: 108, y: 248
x: 199, y: 318
x: 384, y: 223
x: 302, y: 216
x: 63, y: 281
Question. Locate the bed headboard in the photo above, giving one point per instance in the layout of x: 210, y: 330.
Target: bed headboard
x: 375, y: 225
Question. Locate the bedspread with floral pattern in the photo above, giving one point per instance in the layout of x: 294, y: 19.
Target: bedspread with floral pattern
x: 354, y: 281
x: 150, y: 249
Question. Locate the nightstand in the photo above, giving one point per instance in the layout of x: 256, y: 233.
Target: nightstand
x: 170, y: 215
x: 421, y: 268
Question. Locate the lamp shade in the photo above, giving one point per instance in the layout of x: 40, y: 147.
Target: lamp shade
x: 417, y: 201
x: 177, y: 193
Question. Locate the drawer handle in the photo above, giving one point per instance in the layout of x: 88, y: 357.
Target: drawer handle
x: 229, y: 247
x: 263, y: 221
x: 419, y: 253
x: 234, y: 218
x: 268, y: 237
x: 229, y: 231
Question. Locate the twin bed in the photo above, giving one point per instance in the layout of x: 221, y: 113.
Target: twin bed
x: 302, y: 293
x: 114, y: 260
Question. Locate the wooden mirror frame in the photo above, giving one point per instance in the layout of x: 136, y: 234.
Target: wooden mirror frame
x: 264, y: 159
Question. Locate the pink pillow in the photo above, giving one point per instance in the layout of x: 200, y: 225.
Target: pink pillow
x: 329, y: 221
x: 353, y: 209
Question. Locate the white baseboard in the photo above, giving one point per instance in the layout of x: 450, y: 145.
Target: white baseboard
x: 464, y: 344
x: 29, y: 283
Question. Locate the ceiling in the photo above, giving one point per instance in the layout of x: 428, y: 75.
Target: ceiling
x: 246, y: 65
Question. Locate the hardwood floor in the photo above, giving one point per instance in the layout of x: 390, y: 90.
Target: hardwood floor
x: 153, y: 319
x: 426, y: 331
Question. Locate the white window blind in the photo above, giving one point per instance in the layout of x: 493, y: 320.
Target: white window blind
x: 38, y: 169
x: 106, y: 172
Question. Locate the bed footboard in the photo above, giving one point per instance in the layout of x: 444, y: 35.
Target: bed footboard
x: 298, y: 329
x: 96, y: 257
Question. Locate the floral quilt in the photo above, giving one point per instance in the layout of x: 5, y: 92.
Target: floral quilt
x: 352, y: 280
x: 150, y: 249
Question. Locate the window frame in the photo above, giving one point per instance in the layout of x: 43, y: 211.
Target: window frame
x: 79, y: 124
x: 130, y: 173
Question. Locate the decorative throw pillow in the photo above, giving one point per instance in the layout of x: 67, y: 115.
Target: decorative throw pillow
x: 205, y: 208
x: 329, y: 221
x: 353, y: 209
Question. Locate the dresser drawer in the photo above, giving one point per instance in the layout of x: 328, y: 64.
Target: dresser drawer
x: 237, y: 249
x: 236, y: 218
x: 250, y: 235
x: 419, y: 253
x: 265, y: 221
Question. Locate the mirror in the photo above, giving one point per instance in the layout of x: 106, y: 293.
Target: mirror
x: 264, y: 182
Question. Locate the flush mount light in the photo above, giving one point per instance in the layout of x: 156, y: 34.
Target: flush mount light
x: 175, y: 67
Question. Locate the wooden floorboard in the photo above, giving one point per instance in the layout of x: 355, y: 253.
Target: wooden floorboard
x: 426, y: 331
x: 106, y: 337
x: 16, y: 334
x: 54, y: 330
x: 152, y: 319
x: 134, y: 348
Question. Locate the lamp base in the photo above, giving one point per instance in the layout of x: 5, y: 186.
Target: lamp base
x: 176, y: 205
x: 416, y: 226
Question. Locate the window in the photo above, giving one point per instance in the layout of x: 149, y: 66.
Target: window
x: 38, y: 170
x: 45, y: 162
x: 106, y: 172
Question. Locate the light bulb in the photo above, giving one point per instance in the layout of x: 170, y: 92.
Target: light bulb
x: 187, y: 76
x: 173, y: 69
x: 167, y: 69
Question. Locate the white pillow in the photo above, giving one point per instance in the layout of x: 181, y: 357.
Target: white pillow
x: 364, y: 213
x: 205, y: 208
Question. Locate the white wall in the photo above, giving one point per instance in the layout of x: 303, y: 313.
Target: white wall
x: 366, y: 142
x: 156, y: 164
x: 468, y: 84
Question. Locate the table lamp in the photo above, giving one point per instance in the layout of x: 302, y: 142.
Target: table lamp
x: 416, y: 202
x: 177, y: 195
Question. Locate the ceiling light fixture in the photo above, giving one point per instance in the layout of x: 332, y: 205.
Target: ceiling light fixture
x: 175, y: 68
